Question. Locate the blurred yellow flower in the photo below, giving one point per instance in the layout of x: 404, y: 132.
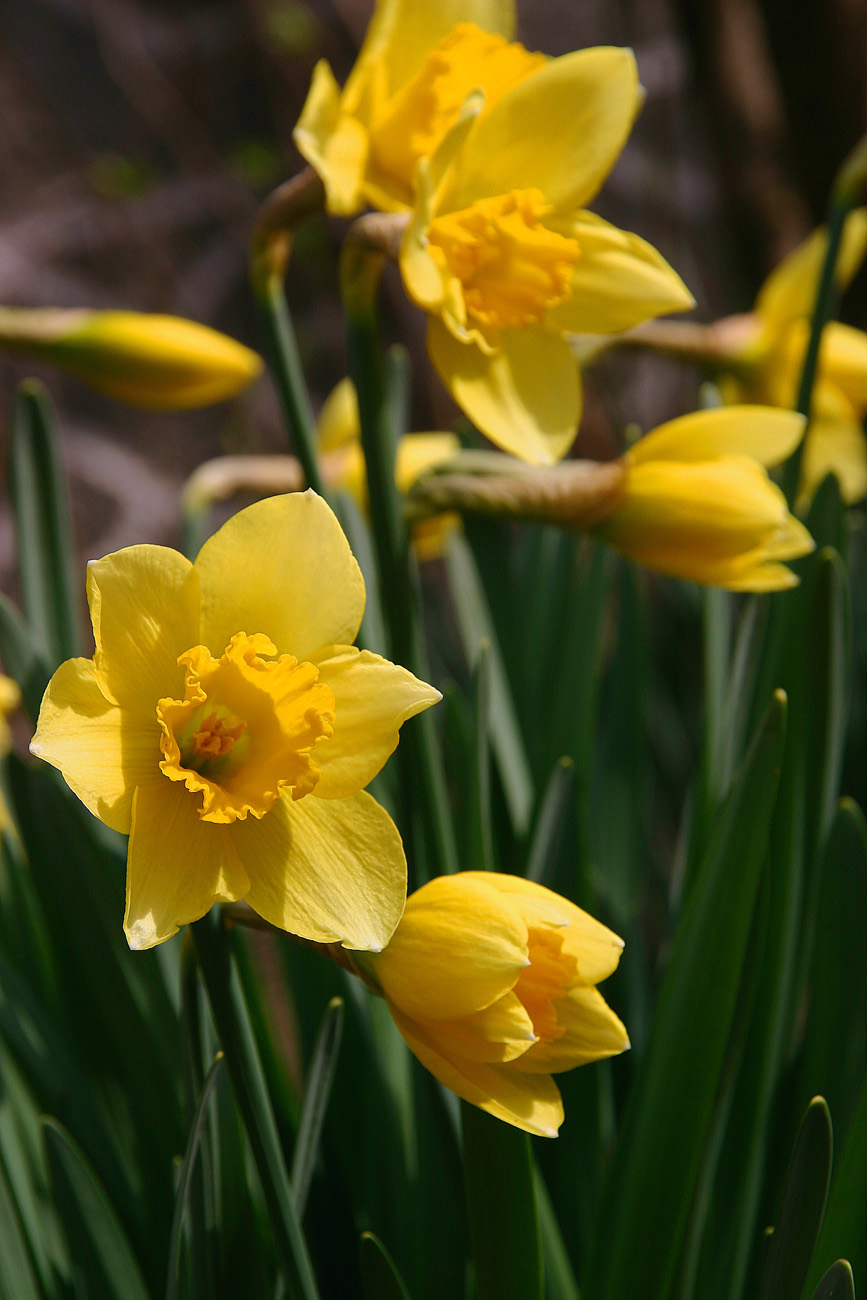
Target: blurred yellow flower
x: 419, y: 61
x: 501, y: 254
x: 158, y: 362
x: 697, y: 502
x: 339, y: 436
x: 229, y: 727
x: 10, y: 698
x: 768, y: 356
x: 491, y: 980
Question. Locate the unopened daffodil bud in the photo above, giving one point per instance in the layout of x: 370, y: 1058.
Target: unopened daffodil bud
x: 692, y: 499
x: 157, y: 362
x: 491, y: 980
x: 698, y: 503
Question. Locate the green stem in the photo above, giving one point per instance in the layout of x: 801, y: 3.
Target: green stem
x: 289, y: 378
x: 501, y: 1205
x: 270, y: 249
x: 382, y: 387
x: 827, y: 299
x: 245, y: 1071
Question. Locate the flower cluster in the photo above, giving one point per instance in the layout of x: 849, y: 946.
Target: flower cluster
x: 451, y: 123
x: 227, y: 723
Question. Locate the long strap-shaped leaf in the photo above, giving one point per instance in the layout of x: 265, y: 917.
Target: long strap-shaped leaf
x: 316, y: 1102
x: 651, y: 1178
x: 801, y: 1208
x: 380, y: 1279
x: 845, y: 1224
x: 186, y: 1176
x: 837, y: 1284
x: 96, y: 1240
x: 245, y: 1070
x: 42, y: 527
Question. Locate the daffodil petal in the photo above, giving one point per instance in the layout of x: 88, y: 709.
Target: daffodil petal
x: 559, y: 131
x: 592, y: 1032
x: 526, y: 397
x: 458, y: 949
x: 402, y: 32
x: 764, y: 434
x: 499, y: 1033
x: 843, y: 361
x: 281, y: 567
x: 372, y: 700
x: 596, y: 948
x: 103, y: 751
x: 333, y: 142
x: 529, y: 1101
x: 790, y: 290
x: 339, y: 422
x: 619, y: 281
x: 326, y: 869
x: 834, y: 447
x: 144, y: 605
x: 419, y: 452
x: 178, y: 865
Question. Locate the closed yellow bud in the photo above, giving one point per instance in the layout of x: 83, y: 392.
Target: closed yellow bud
x: 158, y: 362
x: 698, y: 502
x: 491, y: 981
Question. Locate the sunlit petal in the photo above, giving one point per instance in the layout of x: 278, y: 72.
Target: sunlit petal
x: 178, y: 865
x: 372, y: 698
x: 103, y: 751
x: 284, y: 568
x: 526, y: 397
x: 326, y: 869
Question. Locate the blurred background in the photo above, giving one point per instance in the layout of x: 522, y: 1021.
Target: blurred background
x: 139, y: 137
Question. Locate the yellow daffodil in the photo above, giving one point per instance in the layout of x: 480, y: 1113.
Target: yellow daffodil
x: 692, y: 499
x: 158, y: 362
x: 768, y: 363
x: 228, y: 726
x: 10, y: 698
x: 491, y: 980
x: 419, y: 61
x: 759, y: 357
x: 339, y: 437
x: 697, y: 502
x: 501, y: 254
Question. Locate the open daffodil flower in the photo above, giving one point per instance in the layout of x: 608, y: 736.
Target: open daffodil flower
x: 501, y: 254
x: 228, y: 726
x: 418, y: 63
x: 491, y: 980
x: 768, y: 362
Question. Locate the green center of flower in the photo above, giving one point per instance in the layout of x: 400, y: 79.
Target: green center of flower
x: 214, y: 742
x: 510, y: 266
x: 245, y: 728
